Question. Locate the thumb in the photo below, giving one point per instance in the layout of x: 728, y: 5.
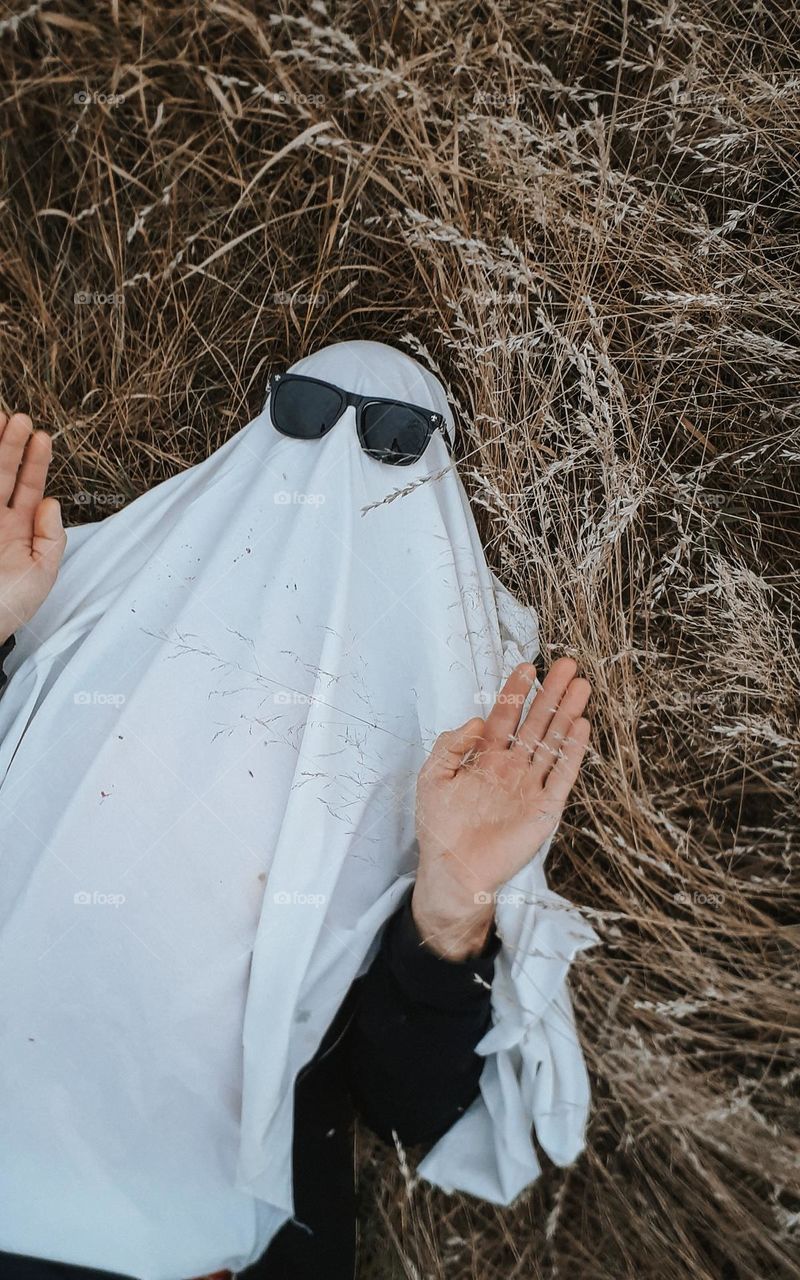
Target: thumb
x: 451, y: 746
x: 49, y: 538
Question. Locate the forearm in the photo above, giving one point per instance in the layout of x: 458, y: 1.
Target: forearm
x: 411, y: 1058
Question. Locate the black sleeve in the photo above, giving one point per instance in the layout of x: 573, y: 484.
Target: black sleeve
x: 5, y: 650
x: 410, y: 1055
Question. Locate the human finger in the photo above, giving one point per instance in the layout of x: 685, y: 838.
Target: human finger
x: 503, y: 719
x: 544, y: 706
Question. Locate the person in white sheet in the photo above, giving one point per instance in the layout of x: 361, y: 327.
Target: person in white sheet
x: 246, y: 719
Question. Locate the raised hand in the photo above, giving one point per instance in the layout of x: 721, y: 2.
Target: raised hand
x: 32, y: 537
x: 488, y: 797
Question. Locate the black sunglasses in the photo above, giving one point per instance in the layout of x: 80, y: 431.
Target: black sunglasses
x: 388, y: 430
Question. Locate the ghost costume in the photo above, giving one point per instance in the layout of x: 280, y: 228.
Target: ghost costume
x: 208, y: 750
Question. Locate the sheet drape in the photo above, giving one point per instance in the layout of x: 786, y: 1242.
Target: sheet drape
x: 208, y: 750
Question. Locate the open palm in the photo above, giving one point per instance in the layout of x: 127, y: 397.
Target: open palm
x: 493, y: 790
x: 32, y: 537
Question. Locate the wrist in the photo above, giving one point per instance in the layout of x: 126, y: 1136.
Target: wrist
x: 454, y: 932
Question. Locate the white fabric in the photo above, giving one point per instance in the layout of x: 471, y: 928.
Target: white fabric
x: 208, y: 750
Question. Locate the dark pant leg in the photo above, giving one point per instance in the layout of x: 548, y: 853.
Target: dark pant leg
x: 321, y: 1239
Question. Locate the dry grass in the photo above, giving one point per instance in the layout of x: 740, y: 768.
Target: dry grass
x: 586, y: 214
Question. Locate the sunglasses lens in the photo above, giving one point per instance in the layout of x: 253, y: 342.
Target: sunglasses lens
x: 304, y: 410
x: 393, y: 433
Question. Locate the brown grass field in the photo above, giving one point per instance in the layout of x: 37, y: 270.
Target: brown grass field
x: 585, y: 215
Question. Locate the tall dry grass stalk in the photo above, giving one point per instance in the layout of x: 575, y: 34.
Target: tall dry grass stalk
x: 586, y: 216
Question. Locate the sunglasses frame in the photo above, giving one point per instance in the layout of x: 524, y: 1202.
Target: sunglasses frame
x: 359, y: 403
